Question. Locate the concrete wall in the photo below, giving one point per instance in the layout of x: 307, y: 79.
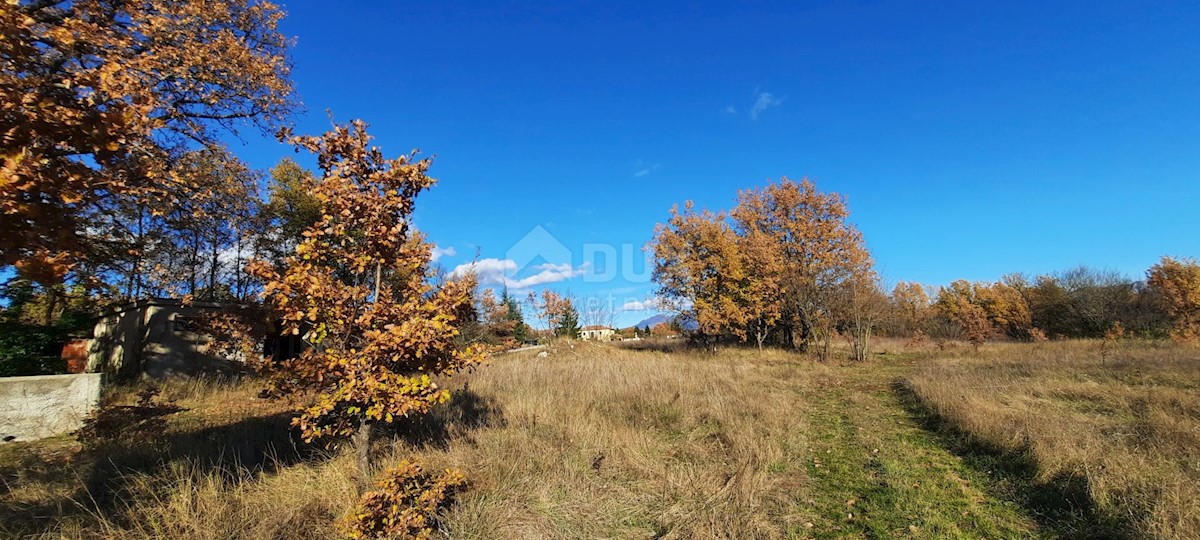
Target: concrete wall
x: 46, y: 405
x: 116, y: 343
x: 154, y: 338
x: 172, y: 347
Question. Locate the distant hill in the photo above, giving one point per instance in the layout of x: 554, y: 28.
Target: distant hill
x: 662, y: 318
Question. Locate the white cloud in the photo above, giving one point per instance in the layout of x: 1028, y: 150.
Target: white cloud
x: 438, y: 252
x: 730, y: 109
x: 486, y: 269
x: 493, y: 271
x: 764, y: 101
x: 649, y: 304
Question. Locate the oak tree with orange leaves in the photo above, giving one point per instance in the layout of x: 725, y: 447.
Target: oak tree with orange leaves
x: 763, y: 292
x: 700, y: 273
x: 99, y: 97
x: 1177, y: 282
x: 817, y: 249
x: 957, y: 304
x: 983, y: 309
x: 784, y: 262
x: 557, y: 312
x: 359, y: 290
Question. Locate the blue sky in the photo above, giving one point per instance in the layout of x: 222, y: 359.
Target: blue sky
x: 971, y: 140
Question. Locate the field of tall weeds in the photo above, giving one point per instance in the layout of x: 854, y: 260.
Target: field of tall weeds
x: 591, y: 442
x: 1122, y: 419
x: 600, y: 441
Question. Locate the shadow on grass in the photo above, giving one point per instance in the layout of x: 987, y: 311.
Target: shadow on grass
x: 1062, y: 505
x: 659, y: 345
x: 466, y: 412
x: 109, y: 477
x: 100, y: 481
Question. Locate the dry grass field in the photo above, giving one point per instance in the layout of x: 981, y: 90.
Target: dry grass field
x: 1118, y: 421
x: 1022, y: 441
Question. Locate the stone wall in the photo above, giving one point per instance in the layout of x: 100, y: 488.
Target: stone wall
x: 46, y: 405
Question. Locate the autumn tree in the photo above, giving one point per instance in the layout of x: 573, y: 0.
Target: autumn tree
x: 700, y: 273
x: 1001, y: 305
x: 911, y: 305
x: 358, y: 289
x: 858, y: 305
x: 1051, y: 308
x: 214, y: 223
x: 957, y: 304
x: 1177, y: 282
x: 550, y: 307
x: 1006, y: 308
x: 99, y: 97
x: 762, y: 298
x: 817, y: 248
x: 501, y: 319
x: 291, y: 207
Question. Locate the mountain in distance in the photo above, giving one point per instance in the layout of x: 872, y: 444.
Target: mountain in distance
x: 660, y: 318
x: 663, y: 318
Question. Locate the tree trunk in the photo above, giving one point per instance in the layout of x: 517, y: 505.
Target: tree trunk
x: 362, y: 447
x: 237, y: 268
x: 193, y: 278
x: 378, y: 279
x: 135, y: 269
x: 213, y: 267
x: 51, y: 305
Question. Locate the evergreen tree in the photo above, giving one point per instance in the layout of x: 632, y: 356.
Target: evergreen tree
x: 513, y: 314
x: 568, y: 326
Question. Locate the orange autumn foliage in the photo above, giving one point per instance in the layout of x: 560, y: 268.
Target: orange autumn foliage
x: 983, y: 309
x: 819, y: 253
x: 1177, y: 282
x: 404, y: 504
x: 784, y: 262
x: 98, y: 98
x: 358, y: 288
x: 699, y: 270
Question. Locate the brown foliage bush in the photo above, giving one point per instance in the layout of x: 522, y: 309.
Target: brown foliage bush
x: 406, y: 504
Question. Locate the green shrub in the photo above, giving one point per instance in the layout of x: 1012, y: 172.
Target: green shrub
x: 27, y: 349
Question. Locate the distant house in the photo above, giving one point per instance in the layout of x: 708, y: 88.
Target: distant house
x: 156, y: 337
x: 596, y: 333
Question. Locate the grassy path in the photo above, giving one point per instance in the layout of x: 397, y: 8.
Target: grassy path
x: 875, y: 472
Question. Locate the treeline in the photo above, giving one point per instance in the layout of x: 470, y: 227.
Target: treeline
x: 198, y: 249
x: 785, y: 267
x: 1078, y: 303
x: 499, y: 319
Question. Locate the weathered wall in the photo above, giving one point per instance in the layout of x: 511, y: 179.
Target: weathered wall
x: 153, y: 338
x: 116, y: 343
x: 178, y: 349
x: 46, y: 405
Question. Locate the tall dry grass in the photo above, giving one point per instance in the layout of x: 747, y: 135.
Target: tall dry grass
x: 596, y: 442
x: 591, y: 442
x: 602, y: 442
x: 1124, y: 418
